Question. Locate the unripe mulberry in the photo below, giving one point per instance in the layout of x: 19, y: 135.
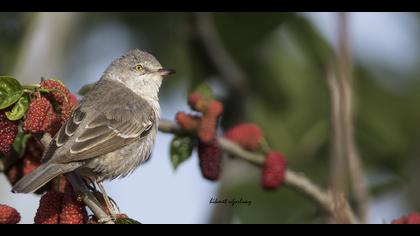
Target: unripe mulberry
x: 49, y: 208
x: 40, y: 116
x: 215, y: 108
x: 247, y: 135
x: 8, y: 131
x: 8, y: 215
x: 187, y: 122
x: 210, y: 158
x: 72, y: 211
x: 274, y: 170
x: 208, y: 125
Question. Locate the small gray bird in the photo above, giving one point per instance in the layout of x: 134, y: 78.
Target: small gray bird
x: 113, y: 129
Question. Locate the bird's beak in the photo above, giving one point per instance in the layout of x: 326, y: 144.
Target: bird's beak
x: 166, y: 71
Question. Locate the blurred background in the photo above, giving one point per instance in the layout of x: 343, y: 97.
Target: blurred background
x: 268, y: 68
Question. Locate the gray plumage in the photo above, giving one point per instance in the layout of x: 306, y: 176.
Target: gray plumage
x: 113, y: 129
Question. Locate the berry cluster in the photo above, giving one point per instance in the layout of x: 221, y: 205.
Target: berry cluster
x: 8, y: 215
x: 410, y: 219
x: 8, y: 131
x: 60, y: 208
x: 205, y: 125
x: 48, y: 106
x: 41, y: 116
x: 248, y: 136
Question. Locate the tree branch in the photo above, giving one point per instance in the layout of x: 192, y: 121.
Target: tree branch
x: 337, y: 207
x: 88, y: 198
x: 345, y: 160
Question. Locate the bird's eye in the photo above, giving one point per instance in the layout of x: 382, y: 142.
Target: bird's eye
x: 138, y: 67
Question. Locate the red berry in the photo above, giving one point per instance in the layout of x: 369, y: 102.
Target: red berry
x: 207, y: 129
x: 8, y: 215
x: 49, y: 208
x: 59, y: 96
x: 210, y: 155
x: 411, y: 219
x: 121, y: 216
x: 72, y: 211
x: 65, y: 101
x: 215, y: 108
x: 208, y: 126
x: 247, y: 135
x: 187, y: 122
x: 66, y: 109
x: 8, y: 131
x: 40, y: 116
x: 274, y: 170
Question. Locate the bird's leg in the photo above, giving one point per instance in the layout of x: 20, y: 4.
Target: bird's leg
x: 90, y: 184
x: 108, y: 203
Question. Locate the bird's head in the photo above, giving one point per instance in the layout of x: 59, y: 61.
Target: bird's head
x: 140, y: 71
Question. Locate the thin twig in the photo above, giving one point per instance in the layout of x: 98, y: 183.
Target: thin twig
x: 355, y: 166
x: 298, y: 182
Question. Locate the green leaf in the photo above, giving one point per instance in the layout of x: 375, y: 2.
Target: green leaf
x: 126, y: 221
x: 205, y: 90
x: 19, y: 144
x: 10, y: 91
x: 181, y: 149
x: 19, y: 109
x: 85, y: 89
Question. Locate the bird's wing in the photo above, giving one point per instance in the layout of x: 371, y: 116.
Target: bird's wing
x: 105, y: 129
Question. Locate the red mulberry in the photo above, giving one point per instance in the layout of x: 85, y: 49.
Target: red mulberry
x: 274, y: 170
x: 8, y: 215
x: 72, y: 211
x: 249, y: 136
x: 187, y: 122
x: 8, y: 131
x: 411, y: 219
x: 40, y: 116
x: 61, y: 95
x: 49, y: 208
x: 210, y: 155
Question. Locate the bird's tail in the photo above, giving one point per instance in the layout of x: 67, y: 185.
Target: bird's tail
x: 41, y: 176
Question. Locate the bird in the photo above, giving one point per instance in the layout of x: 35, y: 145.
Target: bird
x: 112, y: 130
